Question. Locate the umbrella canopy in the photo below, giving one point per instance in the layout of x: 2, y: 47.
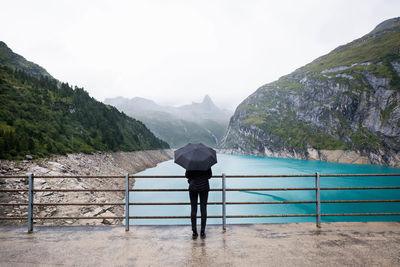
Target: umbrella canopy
x: 195, y: 157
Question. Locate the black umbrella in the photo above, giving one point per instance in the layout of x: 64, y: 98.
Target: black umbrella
x: 195, y: 157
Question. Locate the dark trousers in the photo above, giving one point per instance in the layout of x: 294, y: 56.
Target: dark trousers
x: 203, y: 208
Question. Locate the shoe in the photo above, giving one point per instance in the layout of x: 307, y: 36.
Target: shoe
x: 195, y: 235
x: 202, y: 234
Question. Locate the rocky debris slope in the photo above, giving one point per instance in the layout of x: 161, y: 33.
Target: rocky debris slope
x: 100, y: 163
x: 343, y: 107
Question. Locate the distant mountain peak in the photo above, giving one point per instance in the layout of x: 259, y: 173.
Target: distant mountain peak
x: 207, y: 99
x: 143, y: 100
x: 208, y: 103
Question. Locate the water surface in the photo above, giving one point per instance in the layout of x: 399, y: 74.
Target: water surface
x: 237, y: 164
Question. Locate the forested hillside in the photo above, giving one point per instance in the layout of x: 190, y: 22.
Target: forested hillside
x: 41, y: 116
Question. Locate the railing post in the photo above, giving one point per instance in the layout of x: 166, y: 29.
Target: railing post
x: 127, y: 202
x: 223, y: 202
x: 30, y: 203
x: 318, y: 198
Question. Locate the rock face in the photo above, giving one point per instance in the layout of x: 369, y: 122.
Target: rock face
x: 343, y: 107
x: 117, y: 163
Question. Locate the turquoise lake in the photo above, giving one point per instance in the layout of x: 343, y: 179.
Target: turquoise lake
x: 242, y: 165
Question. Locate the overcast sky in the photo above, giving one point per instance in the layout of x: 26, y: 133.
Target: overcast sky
x: 175, y: 52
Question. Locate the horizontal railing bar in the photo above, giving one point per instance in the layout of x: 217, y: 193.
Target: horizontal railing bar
x: 13, y: 190
x: 79, y: 217
x: 181, y: 176
x: 13, y: 204
x: 159, y: 217
x: 362, y: 214
x: 78, y: 190
x: 211, y: 216
x: 360, y: 201
x: 272, y: 176
x: 79, y: 177
x: 155, y: 176
x: 359, y: 175
x: 184, y: 189
x: 13, y: 218
x: 228, y: 189
x: 310, y: 175
x: 270, y: 189
x: 165, y: 190
x: 360, y: 188
x: 228, y: 216
x: 79, y: 204
x: 215, y: 216
x: 105, y: 217
x: 172, y: 217
x: 209, y: 203
x: 271, y: 202
x: 13, y: 176
x: 229, y: 176
x: 151, y: 190
x: 63, y: 190
x: 63, y: 176
x: 271, y: 216
x: 165, y: 176
x: 168, y: 203
x: 220, y: 203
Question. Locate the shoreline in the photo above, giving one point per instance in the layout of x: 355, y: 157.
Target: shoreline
x: 99, y: 163
x: 335, y: 156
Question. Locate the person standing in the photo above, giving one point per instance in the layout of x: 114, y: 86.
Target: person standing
x: 198, y: 187
x: 197, y: 159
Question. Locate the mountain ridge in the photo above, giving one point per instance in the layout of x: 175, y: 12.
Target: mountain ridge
x: 10, y: 59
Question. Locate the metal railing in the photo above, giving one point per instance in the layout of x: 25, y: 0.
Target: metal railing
x: 317, y: 188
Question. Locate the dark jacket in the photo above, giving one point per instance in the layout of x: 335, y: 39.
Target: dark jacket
x: 198, y: 180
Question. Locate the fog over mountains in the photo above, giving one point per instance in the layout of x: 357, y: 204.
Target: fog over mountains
x: 198, y: 122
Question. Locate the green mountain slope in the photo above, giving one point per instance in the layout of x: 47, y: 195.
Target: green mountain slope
x: 346, y: 100
x: 41, y: 116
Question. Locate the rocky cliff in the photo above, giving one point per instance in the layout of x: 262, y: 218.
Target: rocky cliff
x: 343, y: 106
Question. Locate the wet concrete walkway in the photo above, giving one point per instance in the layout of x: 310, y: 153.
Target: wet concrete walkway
x: 336, y: 244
